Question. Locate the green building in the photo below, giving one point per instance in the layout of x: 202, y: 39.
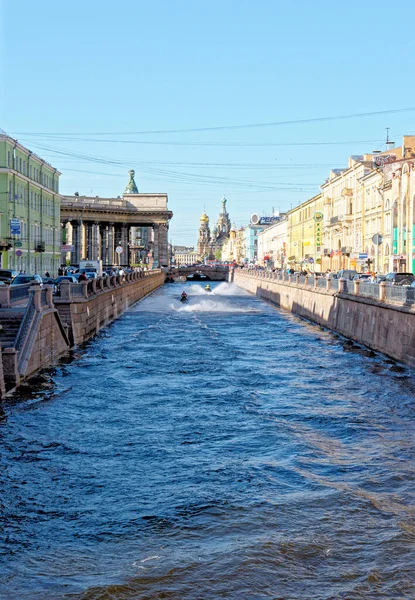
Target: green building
x: 30, y: 234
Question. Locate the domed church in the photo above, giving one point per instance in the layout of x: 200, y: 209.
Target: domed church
x: 207, y: 244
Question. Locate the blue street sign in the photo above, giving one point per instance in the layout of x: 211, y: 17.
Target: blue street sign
x: 15, y: 226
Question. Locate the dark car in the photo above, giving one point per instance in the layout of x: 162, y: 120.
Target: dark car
x: 400, y: 278
x: 69, y: 278
x: 33, y: 279
x: 48, y: 280
x: 7, y: 275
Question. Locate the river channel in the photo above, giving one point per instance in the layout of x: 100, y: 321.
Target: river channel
x: 218, y: 449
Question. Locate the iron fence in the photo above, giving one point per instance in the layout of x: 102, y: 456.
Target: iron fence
x: 19, y: 292
x: 400, y: 293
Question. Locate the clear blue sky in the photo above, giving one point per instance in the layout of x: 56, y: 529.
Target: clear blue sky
x: 132, y: 66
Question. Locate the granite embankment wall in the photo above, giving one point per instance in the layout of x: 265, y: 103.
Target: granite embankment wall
x: 51, y: 325
x: 386, y: 328
x: 85, y: 316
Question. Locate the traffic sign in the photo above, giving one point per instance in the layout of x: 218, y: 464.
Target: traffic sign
x: 119, y: 249
x: 19, y: 252
x: 15, y: 226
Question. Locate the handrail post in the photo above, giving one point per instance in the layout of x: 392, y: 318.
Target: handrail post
x: 5, y: 296
x: 37, y: 297
x: 49, y: 296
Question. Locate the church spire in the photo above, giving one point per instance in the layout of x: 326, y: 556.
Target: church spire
x: 131, y: 187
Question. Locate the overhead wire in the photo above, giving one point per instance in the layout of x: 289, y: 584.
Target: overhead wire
x: 233, y: 127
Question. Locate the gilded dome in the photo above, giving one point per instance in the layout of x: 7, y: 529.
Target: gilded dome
x: 204, y: 218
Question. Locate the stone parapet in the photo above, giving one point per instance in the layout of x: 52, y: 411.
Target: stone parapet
x: 87, y: 312
x: 386, y: 328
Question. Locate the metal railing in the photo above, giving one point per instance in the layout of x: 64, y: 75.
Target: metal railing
x: 404, y: 295
x: 19, y: 292
x: 400, y: 293
x: 85, y: 289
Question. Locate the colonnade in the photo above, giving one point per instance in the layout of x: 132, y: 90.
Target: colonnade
x: 97, y: 240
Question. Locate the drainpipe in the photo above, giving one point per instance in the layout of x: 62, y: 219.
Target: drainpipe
x: 41, y: 216
x: 28, y: 212
x: 14, y: 204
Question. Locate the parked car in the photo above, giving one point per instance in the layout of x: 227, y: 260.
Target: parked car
x: 48, y: 280
x: 33, y: 279
x: 400, y: 278
x: 70, y: 278
x: 7, y: 275
x: 363, y: 277
x: 347, y: 274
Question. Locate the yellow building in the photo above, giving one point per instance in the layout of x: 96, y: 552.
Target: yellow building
x: 304, y: 235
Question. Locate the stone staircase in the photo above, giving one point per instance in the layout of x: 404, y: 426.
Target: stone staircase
x: 9, y: 326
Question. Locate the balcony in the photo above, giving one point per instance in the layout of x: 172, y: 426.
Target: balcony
x: 39, y: 247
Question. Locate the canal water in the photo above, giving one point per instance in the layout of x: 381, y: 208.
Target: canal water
x: 219, y: 449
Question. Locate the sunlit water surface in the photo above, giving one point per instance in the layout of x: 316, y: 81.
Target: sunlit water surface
x: 219, y: 449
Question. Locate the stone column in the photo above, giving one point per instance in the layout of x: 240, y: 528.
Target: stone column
x: 95, y: 241
x: 89, y: 241
x: 111, y: 236
x: 104, y: 244
x: 76, y: 242
x: 63, y: 240
x: 124, y: 243
x: 164, y: 244
x: 156, y: 244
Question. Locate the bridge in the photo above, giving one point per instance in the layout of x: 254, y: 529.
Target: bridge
x: 198, y: 273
